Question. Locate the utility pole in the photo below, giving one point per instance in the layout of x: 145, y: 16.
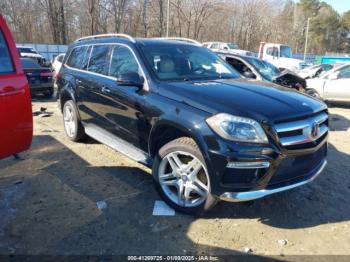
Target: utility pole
x: 307, y: 36
x: 167, y: 19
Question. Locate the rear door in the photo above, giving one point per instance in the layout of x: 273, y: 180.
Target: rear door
x: 16, y: 124
x: 338, y: 89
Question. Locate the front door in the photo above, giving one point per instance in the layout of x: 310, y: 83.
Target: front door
x: 126, y: 103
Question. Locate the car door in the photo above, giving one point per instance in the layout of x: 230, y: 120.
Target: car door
x: 16, y: 124
x: 337, y: 86
x: 126, y: 103
x: 93, y: 102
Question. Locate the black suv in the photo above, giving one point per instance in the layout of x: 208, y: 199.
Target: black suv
x: 177, y: 107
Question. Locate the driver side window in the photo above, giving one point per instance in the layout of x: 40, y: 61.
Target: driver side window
x: 122, y: 62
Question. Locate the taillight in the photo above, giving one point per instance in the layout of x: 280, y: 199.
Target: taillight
x: 57, y: 76
x: 46, y: 74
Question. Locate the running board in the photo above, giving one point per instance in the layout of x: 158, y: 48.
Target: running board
x: 118, y: 144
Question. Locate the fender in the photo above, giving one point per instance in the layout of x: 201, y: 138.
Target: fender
x: 187, y: 127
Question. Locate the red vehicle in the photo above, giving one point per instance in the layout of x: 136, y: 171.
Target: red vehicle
x: 16, y: 122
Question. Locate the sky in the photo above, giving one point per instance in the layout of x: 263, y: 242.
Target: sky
x: 340, y: 5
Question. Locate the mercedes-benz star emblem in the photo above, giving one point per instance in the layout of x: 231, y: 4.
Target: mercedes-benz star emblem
x: 315, y: 128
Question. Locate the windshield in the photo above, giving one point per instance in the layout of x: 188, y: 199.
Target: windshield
x: 286, y: 51
x: 232, y: 46
x: 267, y: 70
x: 27, y: 50
x: 186, y: 63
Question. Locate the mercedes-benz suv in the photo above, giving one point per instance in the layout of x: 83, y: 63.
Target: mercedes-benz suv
x: 177, y: 107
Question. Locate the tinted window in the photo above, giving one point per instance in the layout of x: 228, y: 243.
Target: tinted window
x: 99, y: 59
x: 123, y: 61
x: 215, y: 46
x: 6, y: 65
x: 60, y: 58
x: 77, y: 57
x: 29, y: 63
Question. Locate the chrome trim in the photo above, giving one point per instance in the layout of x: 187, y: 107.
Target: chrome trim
x: 146, y: 84
x: 248, y: 165
x: 250, y: 195
x: 180, y: 39
x: 300, y: 124
x: 305, y: 126
x: 105, y: 36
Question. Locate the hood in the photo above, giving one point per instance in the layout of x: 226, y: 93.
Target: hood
x: 265, y: 102
x: 290, y: 78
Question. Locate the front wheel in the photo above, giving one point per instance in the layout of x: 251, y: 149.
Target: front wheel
x: 181, y: 177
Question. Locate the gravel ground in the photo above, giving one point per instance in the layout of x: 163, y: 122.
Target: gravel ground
x: 48, y: 205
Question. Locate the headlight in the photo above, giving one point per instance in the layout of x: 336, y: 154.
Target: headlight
x: 237, y: 128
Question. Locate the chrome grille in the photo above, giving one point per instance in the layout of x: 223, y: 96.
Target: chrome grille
x: 302, y: 131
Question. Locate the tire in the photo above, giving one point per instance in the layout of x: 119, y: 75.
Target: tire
x: 71, y: 122
x: 192, y: 180
x: 49, y: 93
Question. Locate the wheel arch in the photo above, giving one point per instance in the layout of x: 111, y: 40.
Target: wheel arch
x: 165, y: 131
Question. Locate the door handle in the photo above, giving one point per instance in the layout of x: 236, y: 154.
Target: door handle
x: 105, y: 89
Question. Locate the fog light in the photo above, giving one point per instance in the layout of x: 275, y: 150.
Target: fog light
x: 248, y: 165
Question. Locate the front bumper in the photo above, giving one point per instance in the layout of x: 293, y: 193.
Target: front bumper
x: 250, y: 195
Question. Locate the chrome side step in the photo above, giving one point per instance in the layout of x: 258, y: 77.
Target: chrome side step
x: 117, y: 144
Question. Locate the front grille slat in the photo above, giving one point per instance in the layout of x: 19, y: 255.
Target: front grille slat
x: 306, y: 132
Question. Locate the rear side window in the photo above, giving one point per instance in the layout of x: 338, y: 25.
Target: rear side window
x: 60, y: 58
x: 123, y: 61
x: 6, y: 65
x: 78, y: 57
x: 99, y: 59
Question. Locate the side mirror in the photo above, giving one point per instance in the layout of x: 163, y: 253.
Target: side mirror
x: 225, y: 48
x: 333, y: 76
x: 249, y: 74
x: 131, y: 79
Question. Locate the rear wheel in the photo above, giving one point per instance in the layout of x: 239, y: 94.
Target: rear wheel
x: 181, y: 177
x: 72, y: 126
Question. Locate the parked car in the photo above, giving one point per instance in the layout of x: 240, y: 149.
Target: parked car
x: 16, y: 124
x: 231, y: 48
x: 178, y: 108
x: 332, y: 86
x: 254, y: 68
x: 314, y: 71
x: 39, y: 78
x: 31, y: 52
x: 57, y: 63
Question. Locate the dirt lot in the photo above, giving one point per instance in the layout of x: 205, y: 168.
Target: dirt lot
x: 48, y: 204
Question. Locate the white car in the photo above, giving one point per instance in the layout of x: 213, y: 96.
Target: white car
x: 230, y: 48
x: 314, y: 71
x: 30, y: 52
x: 331, y: 86
x: 57, y: 63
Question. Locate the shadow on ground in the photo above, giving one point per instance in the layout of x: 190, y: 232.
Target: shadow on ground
x: 58, y: 213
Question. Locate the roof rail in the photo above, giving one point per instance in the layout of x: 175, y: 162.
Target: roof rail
x: 106, y: 35
x: 181, y: 39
